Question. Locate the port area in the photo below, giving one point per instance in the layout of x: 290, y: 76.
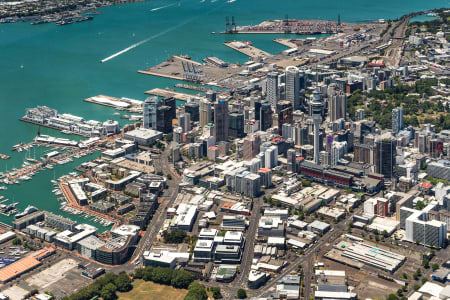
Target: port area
x: 246, y: 47
x: 171, y: 93
x: 289, y: 26
x: 131, y: 105
x: 182, y: 68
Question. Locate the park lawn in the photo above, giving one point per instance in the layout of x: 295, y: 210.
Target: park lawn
x: 152, y: 291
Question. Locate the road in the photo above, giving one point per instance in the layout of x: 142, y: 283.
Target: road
x: 161, y: 164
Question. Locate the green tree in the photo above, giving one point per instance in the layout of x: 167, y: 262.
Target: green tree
x: 241, y: 294
x: 434, y: 267
x: 108, y: 292
x: 392, y: 297
x: 196, y: 292
x: 425, y: 263
x: 162, y: 275
x: 416, y: 287
x: 123, y: 282
x: 181, y: 279
x: 216, y: 293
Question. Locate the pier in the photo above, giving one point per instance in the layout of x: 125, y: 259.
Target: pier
x: 168, y: 93
x: 127, y: 104
x: 247, y: 48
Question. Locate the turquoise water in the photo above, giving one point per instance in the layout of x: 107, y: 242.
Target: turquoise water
x: 61, y: 63
x: 422, y: 18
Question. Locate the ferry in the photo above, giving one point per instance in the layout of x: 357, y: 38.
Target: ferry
x: 30, y: 209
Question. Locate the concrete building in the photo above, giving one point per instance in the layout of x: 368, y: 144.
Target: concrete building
x: 149, y: 112
x: 293, y: 86
x: 397, y: 120
x: 272, y: 90
x: 221, y: 121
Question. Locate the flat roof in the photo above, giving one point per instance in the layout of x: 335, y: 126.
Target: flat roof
x: 19, y: 267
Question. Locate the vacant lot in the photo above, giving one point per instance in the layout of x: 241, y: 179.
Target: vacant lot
x: 152, y: 291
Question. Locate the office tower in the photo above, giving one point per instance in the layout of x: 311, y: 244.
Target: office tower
x: 251, y: 147
x: 193, y: 108
x: 338, y: 149
x: 221, y: 121
x: 211, y: 96
x: 293, y: 86
x: 385, y: 152
x: 272, y: 88
x: 236, y: 125
x: 284, y: 114
x: 360, y: 114
x: 316, y: 111
x: 149, y: 109
x: 338, y: 106
x: 164, y: 117
x: 286, y: 131
x: 257, y: 109
x: 205, y: 112
x: 271, y: 157
x: 265, y: 116
x: 291, y: 160
x: 184, y: 121
x: 397, y: 119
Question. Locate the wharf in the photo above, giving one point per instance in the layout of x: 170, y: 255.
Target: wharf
x: 148, y: 72
x: 50, y: 126
x: 287, y: 42
x: 247, y: 49
x: 168, y: 93
x: 117, y: 103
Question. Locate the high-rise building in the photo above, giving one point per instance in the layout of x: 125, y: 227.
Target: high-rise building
x: 271, y: 157
x: 236, y: 125
x: 193, y: 108
x: 221, y: 121
x: 291, y: 160
x: 420, y: 229
x: 251, y: 146
x: 338, y: 149
x: 272, y: 90
x: 360, y: 114
x: 164, y: 117
x: 293, y: 86
x: 205, y: 112
x: 397, y: 119
x: 316, y: 111
x: 149, y: 115
x: 265, y: 116
x: 284, y: 114
x: 338, y: 106
x: 184, y: 121
x: 385, y: 152
x: 211, y: 96
x: 286, y: 131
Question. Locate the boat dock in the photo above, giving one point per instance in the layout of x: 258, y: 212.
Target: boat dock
x: 169, y: 93
x: 247, y: 48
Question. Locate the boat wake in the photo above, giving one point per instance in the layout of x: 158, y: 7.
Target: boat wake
x: 156, y: 36
x: 162, y: 7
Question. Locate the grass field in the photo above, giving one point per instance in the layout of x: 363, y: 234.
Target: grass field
x: 152, y: 291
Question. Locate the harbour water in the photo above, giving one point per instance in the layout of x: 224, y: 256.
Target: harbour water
x: 59, y: 66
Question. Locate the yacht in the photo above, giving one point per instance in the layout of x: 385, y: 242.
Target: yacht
x: 30, y: 209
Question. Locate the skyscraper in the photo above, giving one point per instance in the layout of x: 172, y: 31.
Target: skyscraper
x: 385, y: 152
x: 265, y: 116
x: 338, y: 106
x: 184, y: 121
x: 236, y: 125
x: 360, y: 114
x: 272, y: 88
x: 316, y: 111
x: 293, y: 86
x: 397, y: 119
x: 221, y: 121
x: 149, y: 112
x: 205, y: 112
x: 251, y: 146
x: 193, y: 109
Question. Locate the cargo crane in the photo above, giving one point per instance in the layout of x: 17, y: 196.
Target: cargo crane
x: 233, y: 25
x: 227, y: 25
x: 287, y: 29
